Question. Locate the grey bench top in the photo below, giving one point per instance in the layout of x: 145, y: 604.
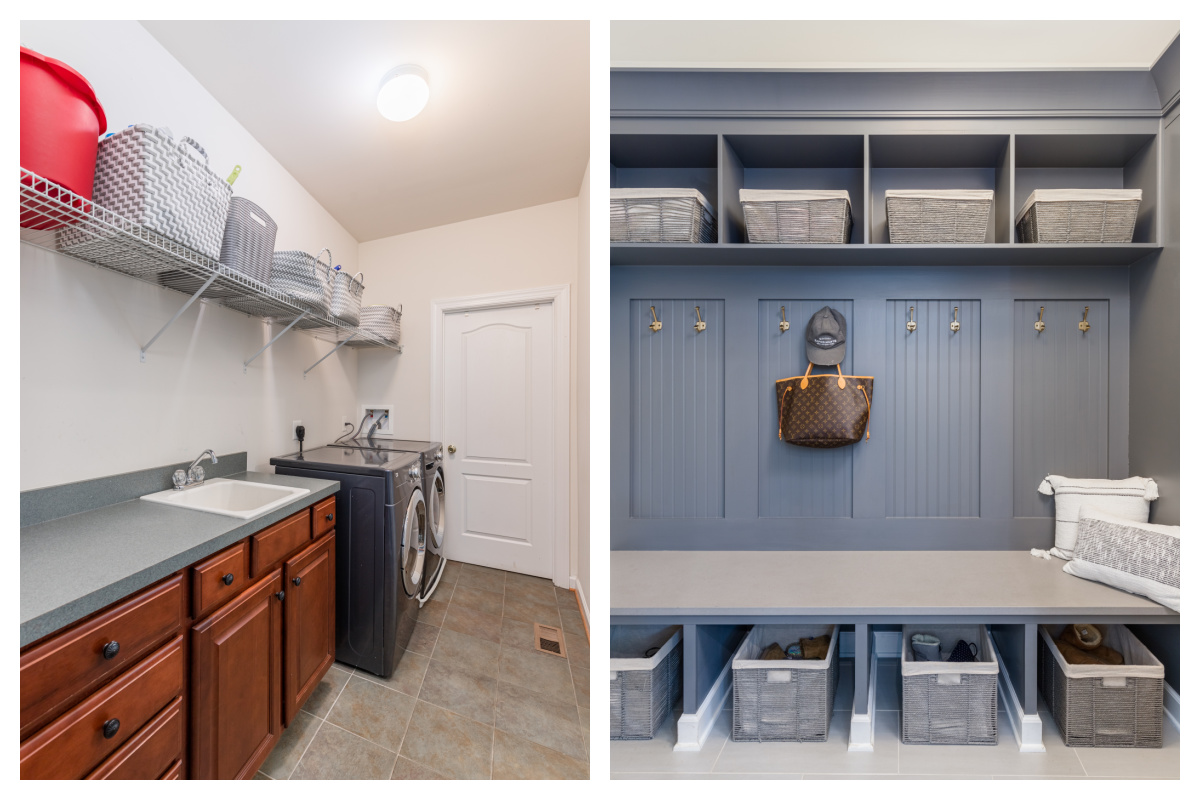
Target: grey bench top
x: 874, y: 584
x: 78, y: 564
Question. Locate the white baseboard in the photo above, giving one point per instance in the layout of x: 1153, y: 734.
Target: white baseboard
x: 862, y: 726
x: 1027, y: 728
x: 1171, y: 704
x: 693, y: 729
x: 583, y: 603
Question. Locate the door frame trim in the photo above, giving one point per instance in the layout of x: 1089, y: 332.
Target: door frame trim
x: 559, y: 299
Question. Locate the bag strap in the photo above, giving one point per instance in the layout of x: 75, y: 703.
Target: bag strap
x: 781, y: 399
x: 808, y: 372
x: 863, y: 389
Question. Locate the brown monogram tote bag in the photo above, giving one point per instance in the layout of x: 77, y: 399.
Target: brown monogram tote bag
x: 824, y: 410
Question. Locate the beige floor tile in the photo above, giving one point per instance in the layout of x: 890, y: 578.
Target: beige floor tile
x: 433, y: 612
x: 475, y: 655
x: 519, y: 759
x: 527, y: 610
x: 657, y: 755
x: 406, y: 770
x: 578, y: 651
x: 580, y: 678
x: 1005, y: 758
x: 549, y: 673
x: 572, y: 622
x: 527, y: 713
x: 491, y: 580
x: 518, y: 634
x: 537, y: 590
x: 258, y: 776
x: 406, y: 677
x: 295, y: 739
x: 374, y: 712
x: 321, y: 700
x: 477, y: 599
x: 565, y: 598
x: 423, y: 639
x: 336, y: 754
x: 827, y: 757
x: 585, y: 729
x: 448, y: 743
x: 450, y: 574
x: 455, y: 688
x: 816, y: 776
x: 474, y: 623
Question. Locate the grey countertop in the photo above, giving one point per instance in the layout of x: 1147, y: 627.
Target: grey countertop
x: 78, y: 564
x: 879, y: 583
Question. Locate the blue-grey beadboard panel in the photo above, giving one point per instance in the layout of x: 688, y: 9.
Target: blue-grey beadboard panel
x: 677, y: 398
x: 1061, y: 394
x: 931, y: 396
x: 798, y: 481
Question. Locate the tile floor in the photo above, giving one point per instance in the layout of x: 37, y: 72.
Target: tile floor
x: 723, y: 758
x: 471, y: 698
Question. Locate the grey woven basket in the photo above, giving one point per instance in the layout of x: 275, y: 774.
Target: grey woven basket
x: 144, y: 175
x: 382, y: 322
x: 1059, y: 216
x: 954, y: 216
x: 949, y: 702
x: 660, y: 215
x: 345, y: 301
x: 783, y: 701
x: 249, y: 241
x: 1100, y: 705
x: 642, y: 691
x: 303, y: 278
x: 796, y: 216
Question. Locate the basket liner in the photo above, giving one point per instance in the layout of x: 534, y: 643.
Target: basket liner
x: 1079, y: 196
x: 940, y: 194
x: 746, y: 656
x: 627, y: 643
x: 658, y: 194
x: 1139, y: 661
x: 791, y: 195
x: 985, y: 663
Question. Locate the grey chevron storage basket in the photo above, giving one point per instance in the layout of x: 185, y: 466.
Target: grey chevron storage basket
x: 660, y: 215
x: 796, y: 216
x: 1097, y: 705
x: 346, y: 297
x: 642, y: 690
x: 382, y: 322
x: 303, y: 278
x: 949, y: 702
x: 783, y: 700
x: 248, y: 245
x: 952, y: 216
x: 144, y: 175
x: 1059, y: 216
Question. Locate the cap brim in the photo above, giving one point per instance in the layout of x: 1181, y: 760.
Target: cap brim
x: 825, y: 358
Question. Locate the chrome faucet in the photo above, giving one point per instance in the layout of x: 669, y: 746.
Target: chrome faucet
x: 194, y: 475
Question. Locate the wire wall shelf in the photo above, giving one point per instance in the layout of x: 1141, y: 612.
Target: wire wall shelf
x: 56, y: 219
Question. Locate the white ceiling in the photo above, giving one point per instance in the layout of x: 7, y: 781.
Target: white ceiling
x: 506, y: 126
x: 906, y: 44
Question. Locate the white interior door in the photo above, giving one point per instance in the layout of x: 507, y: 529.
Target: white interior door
x: 498, y: 437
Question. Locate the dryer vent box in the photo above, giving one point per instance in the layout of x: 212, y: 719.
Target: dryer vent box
x: 374, y: 412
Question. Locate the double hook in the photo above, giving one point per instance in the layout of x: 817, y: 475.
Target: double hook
x: 657, y: 325
x: 1084, y: 326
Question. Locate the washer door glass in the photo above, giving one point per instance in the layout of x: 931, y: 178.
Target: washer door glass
x: 437, y: 511
x: 412, y: 544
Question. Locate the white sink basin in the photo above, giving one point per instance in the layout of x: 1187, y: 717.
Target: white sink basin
x: 241, y: 499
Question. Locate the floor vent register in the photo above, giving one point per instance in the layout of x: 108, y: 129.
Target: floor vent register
x: 548, y: 640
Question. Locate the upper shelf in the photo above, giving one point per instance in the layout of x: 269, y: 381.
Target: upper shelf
x: 69, y: 224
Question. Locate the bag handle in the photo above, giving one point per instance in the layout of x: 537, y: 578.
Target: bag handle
x: 781, y: 399
x: 863, y: 389
x: 328, y: 267
x: 807, y: 372
x: 186, y: 140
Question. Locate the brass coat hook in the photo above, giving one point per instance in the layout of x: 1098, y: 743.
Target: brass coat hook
x: 655, y: 326
x: 699, y: 326
x: 954, y: 326
x: 912, y: 319
x: 1084, y: 327
x: 784, y: 325
x: 1040, y: 326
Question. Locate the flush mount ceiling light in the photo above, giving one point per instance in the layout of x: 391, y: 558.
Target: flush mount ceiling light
x: 403, y: 92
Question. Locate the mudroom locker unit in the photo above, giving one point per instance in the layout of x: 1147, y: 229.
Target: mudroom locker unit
x: 966, y: 419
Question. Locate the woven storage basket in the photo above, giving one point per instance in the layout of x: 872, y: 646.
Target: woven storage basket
x: 957, y: 216
x: 946, y: 702
x: 796, y: 216
x: 144, y: 175
x: 1099, y: 705
x: 783, y: 701
x: 642, y: 691
x: 345, y: 299
x: 660, y: 215
x: 381, y: 321
x: 1056, y: 216
x: 249, y: 241
x: 303, y: 278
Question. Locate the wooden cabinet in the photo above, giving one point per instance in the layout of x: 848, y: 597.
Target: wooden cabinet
x: 219, y: 578
x: 324, y: 517
x: 269, y: 547
x: 308, y: 635
x: 236, y: 657
x: 151, y: 752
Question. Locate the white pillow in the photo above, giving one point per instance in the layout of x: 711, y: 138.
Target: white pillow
x: 1135, y: 557
x: 1128, y: 499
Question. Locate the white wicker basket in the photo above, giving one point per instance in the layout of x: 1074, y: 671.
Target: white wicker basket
x: 1055, y: 216
x: 945, y: 702
x: 249, y: 240
x: 346, y: 296
x: 381, y: 321
x: 783, y: 700
x: 796, y: 216
x: 642, y: 691
x: 660, y: 215
x: 957, y: 216
x: 303, y: 278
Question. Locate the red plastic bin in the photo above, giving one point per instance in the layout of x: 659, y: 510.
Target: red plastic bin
x: 61, y: 122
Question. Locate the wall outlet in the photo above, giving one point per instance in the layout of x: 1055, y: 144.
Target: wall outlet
x: 375, y: 412
x: 296, y: 423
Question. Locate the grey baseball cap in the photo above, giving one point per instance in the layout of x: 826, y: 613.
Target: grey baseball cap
x: 825, y: 337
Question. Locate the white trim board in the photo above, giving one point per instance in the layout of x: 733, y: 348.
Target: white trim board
x: 583, y: 602
x: 1027, y: 728
x: 559, y: 298
x: 692, y: 730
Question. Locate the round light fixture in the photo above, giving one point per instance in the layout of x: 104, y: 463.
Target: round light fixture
x: 403, y: 92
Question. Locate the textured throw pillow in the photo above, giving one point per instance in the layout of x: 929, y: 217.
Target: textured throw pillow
x: 1135, y: 557
x: 1128, y: 499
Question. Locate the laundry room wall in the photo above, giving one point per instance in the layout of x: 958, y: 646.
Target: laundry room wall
x: 88, y: 406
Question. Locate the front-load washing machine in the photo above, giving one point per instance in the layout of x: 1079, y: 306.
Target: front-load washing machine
x: 380, y: 548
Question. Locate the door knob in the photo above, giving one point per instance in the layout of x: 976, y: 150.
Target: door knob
x: 452, y: 449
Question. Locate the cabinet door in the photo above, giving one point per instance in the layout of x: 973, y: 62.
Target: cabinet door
x: 308, y: 632
x: 236, y: 666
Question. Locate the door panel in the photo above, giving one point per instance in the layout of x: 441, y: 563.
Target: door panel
x: 308, y: 629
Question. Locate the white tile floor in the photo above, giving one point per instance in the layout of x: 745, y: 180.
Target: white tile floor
x: 723, y: 758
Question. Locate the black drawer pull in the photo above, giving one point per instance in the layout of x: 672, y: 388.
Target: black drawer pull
x: 279, y: 595
x: 295, y: 581
x: 228, y: 579
x: 329, y: 517
x: 111, y: 727
x: 111, y: 649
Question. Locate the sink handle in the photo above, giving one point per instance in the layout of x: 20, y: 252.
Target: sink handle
x: 180, y: 479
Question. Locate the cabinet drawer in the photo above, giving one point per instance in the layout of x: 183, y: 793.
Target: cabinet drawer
x: 74, y: 743
x: 324, y: 517
x: 174, y: 772
x: 150, y: 752
x: 269, y: 547
x: 61, y: 671
x: 219, y: 578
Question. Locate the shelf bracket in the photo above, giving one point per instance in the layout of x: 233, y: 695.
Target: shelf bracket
x: 178, y: 314
x: 341, y: 344
x: 274, y: 339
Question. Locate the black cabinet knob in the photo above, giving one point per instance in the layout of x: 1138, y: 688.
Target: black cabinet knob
x: 295, y: 581
x: 111, y: 649
x: 228, y: 579
x: 329, y: 517
x: 279, y: 595
x: 111, y: 727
